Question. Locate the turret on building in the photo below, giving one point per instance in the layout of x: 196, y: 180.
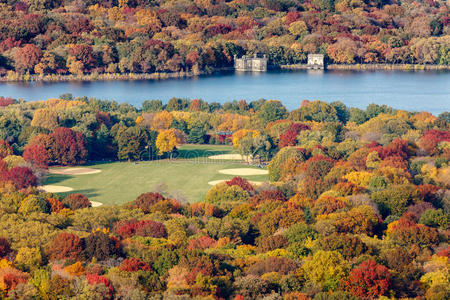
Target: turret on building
x: 248, y: 63
x: 316, y: 61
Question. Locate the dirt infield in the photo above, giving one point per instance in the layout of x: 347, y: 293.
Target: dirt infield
x: 55, y: 188
x: 96, y: 204
x: 74, y: 171
x: 228, y: 157
x: 214, y: 182
x: 243, y: 172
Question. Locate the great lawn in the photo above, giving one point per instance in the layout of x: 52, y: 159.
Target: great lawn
x: 186, y: 177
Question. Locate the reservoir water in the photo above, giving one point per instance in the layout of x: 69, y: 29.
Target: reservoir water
x: 415, y: 91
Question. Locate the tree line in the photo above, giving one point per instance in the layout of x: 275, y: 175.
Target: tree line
x: 95, y: 37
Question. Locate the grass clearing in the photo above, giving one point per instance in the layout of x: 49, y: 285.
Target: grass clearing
x: 185, y: 178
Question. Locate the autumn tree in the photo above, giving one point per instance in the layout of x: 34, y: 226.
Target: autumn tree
x: 136, y: 143
x: 168, y: 139
x: 101, y: 246
x: 19, y: 177
x: 26, y: 58
x: 368, y: 281
x: 65, y: 246
x: 76, y: 201
x: 45, y: 118
x: 36, y: 155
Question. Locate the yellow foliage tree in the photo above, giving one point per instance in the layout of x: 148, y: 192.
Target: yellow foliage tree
x: 168, y: 139
x: 240, y: 134
x: 325, y: 265
x: 76, y: 269
x: 361, y: 178
x: 162, y: 120
x: 45, y: 118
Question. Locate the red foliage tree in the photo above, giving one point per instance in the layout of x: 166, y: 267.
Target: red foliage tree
x: 289, y: 137
x: 407, y: 233
x: 36, y: 155
x: 93, y: 279
x: 241, y: 182
x: 431, y: 138
x: 84, y: 54
x: 196, y: 105
x: 444, y: 252
x: 5, y: 247
x: 369, y: 280
x: 274, y: 195
x: 20, y: 177
x: 133, y: 265
x: 147, y: 200
x: 216, y: 29
x: 202, y: 243
x: 76, y: 201
x: 65, y: 246
x: 149, y: 228
x: 6, y: 101
x: 397, y: 147
x: 327, y: 205
x: 318, y: 166
x: 292, y: 16
x: 67, y: 147
x: 11, y: 280
x: 200, y: 209
x: 27, y: 57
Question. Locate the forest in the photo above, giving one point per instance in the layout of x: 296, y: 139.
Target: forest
x: 55, y: 37
x: 357, y: 207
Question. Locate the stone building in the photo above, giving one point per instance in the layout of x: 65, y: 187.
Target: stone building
x: 248, y: 63
x: 316, y: 61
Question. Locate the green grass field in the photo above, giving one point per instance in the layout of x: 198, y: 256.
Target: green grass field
x: 121, y: 182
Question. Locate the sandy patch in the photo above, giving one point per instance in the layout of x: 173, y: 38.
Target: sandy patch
x: 74, y: 171
x: 96, y: 204
x: 228, y: 157
x: 244, y: 172
x: 214, y: 182
x: 55, y: 188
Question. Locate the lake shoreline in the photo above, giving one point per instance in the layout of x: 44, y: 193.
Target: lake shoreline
x: 163, y: 75
x: 373, y: 67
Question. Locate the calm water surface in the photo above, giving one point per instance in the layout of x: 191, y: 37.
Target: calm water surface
x: 416, y: 91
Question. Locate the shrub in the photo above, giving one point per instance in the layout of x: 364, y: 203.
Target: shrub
x: 76, y: 201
